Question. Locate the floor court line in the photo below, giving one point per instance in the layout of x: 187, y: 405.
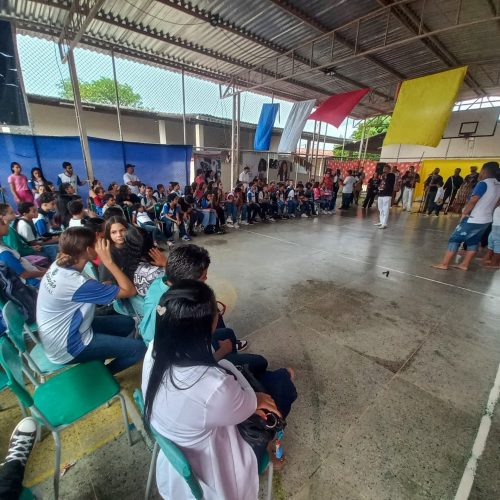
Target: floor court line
x: 379, y: 266
x: 469, y: 474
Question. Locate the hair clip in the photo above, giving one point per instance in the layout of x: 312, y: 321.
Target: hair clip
x: 161, y: 310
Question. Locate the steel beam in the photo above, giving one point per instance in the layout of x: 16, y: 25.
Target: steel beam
x: 317, y: 25
x: 87, y: 160
x: 415, y: 23
x: 377, y: 48
x: 116, y: 20
x: 76, y: 23
x: 218, y: 22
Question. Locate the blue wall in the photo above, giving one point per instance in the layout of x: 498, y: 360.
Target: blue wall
x: 155, y: 163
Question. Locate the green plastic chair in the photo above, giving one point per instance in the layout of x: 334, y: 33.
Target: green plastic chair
x: 180, y: 463
x: 36, y: 359
x: 64, y: 398
x: 174, y: 455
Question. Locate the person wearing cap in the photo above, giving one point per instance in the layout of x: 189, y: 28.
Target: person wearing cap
x: 130, y: 179
x: 68, y: 176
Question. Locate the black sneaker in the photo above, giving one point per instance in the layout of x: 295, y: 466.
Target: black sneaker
x: 22, y: 441
x: 192, y: 233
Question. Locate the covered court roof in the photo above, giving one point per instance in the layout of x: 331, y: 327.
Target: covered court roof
x: 294, y: 49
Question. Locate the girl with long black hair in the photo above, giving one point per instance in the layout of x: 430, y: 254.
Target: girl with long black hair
x: 196, y: 402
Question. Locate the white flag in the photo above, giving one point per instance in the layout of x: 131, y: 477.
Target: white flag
x: 295, y: 125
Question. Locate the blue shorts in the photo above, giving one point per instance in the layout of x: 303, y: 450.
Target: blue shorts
x: 466, y: 233
x: 494, y: 239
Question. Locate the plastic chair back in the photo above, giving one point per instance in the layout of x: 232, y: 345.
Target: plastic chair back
x: 174, y: 455
x: 11, y: 363
x: 14, y: 321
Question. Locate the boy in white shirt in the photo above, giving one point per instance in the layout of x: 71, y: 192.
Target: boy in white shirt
x: 141, y: 218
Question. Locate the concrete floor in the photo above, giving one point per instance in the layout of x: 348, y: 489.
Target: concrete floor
x: 393, y: 372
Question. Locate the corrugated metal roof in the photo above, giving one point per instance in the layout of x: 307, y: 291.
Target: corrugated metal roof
x: 224, y: 39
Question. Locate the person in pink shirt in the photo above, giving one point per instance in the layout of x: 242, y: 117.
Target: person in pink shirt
x: 18, y: 183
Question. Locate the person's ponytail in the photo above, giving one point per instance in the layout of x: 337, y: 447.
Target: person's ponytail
x: 73, y: 244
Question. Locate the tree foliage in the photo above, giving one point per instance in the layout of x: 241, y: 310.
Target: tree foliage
x: 102, y: 91
x: 374, y: 126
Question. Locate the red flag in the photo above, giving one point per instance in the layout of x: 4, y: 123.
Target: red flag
x: 336, y: 108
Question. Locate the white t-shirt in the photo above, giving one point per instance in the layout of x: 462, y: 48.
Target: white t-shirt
x: 244, y: 177
x: 349, y: 182
x: 75, y: 222
x: 131, y: 178
x: 142, y: 217
x: 201, y: 419
x: 489, y: 192
x: 496, y: 216
x: 73, y: 180
x: 65, y: 311
x: 25, y: 230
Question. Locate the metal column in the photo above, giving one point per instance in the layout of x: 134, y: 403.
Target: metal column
x: 117, y: 95
x: 235, y: 136
x: 79, y: 113
x: 362, y: 138
x: 184, y: 109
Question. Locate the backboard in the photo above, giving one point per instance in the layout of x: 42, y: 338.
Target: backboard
x: 472, y: 123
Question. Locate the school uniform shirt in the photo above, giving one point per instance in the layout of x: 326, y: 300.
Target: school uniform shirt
x: 349, y: 182
x: 18, y: 264
x: 142, y: 217
x: 489, y: 193
x: 290, y: 195
x: 75, y: 222
x: 65, y: 311
x: 251, y: 197
x: 496, y: 217
x: 386, y: 185
x: 74, y: 180
x: 168, y: 210
x: 42, y: 223
x: 25, y: 230
x: 201, y: 420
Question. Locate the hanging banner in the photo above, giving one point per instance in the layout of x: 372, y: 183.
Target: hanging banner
x: 295, y: 125
x: 262, y: 140
x: 424, y: 107
x: 337, y: 107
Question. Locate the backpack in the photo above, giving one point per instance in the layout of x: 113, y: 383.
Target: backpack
x: 23, y: 296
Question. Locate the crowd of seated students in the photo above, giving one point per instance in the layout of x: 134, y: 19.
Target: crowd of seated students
x: 86, y: 258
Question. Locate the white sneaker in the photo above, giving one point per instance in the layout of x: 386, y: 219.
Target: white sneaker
x: 236, y: 225
x: 383, y: 226
x: 271, y: 219
x: 378, y: 224
x: 244, y: 223
x: 229, y: 223
x: 304, y: 216
x: 292, y: 216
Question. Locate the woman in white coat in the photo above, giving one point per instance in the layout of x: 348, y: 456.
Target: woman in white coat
x: 196, y: 402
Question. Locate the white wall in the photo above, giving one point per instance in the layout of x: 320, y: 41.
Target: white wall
x: 474, y: 147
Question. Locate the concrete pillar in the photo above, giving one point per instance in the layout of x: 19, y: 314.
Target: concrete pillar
x: 163, y: 131
x: 199, y: 133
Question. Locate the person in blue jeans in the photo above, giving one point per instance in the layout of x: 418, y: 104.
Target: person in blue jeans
x: 171, y: 214
x: 191, y: 262
x: 477, y: 216
x: 67, y: 298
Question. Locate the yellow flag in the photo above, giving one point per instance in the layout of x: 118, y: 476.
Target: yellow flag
x: 423, y: 108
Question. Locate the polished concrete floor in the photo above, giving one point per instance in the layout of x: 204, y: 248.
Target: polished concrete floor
x: 393, y: 368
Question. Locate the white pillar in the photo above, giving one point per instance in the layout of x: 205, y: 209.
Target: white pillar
x: 199, y: 139
x: 162, y: 129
